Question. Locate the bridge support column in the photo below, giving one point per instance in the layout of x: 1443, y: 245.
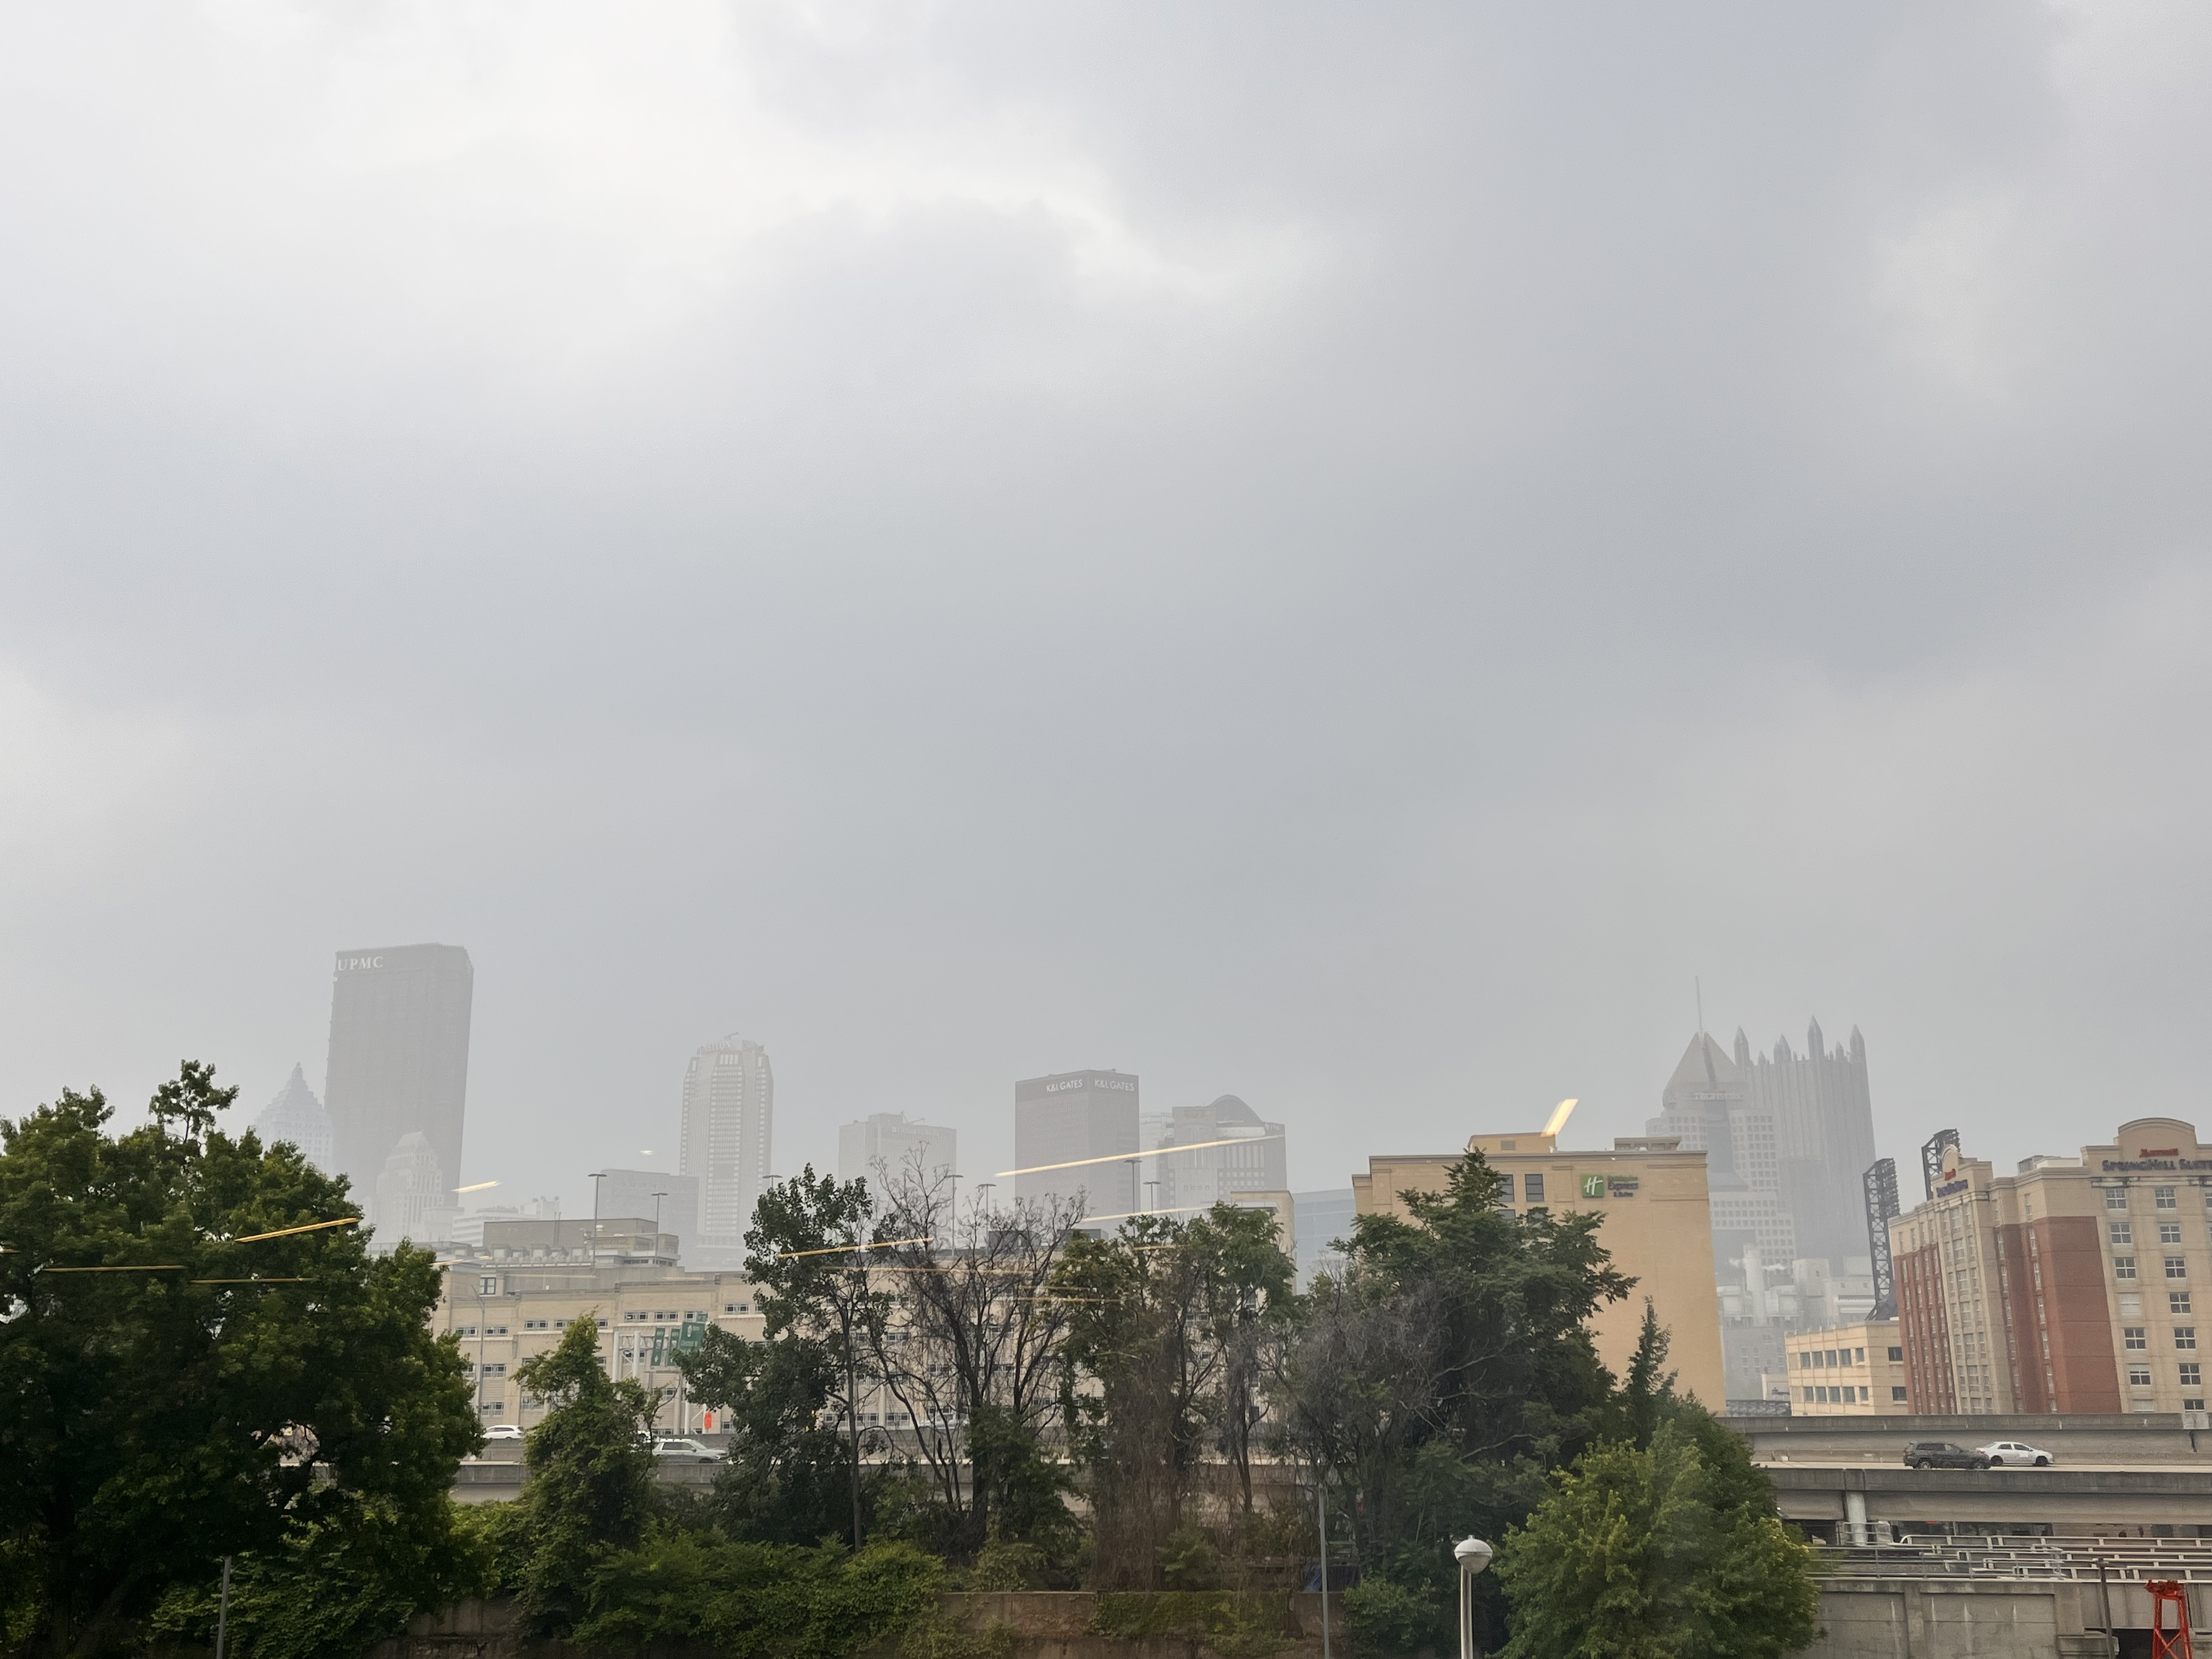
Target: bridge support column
x: 1854, y: 1517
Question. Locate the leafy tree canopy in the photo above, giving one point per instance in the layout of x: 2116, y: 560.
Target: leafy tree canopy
x: 1639, y: 1553
x: 202, y: 1394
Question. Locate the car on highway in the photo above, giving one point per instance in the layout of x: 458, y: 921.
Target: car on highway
x: 1942, y: 1455
x: 686, y: 1451
x: 502, y: 1432
x: 2009, y: 1453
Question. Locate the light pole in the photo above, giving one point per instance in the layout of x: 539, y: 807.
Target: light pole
x: 1472, y: 1556
x: 1321, y: 1513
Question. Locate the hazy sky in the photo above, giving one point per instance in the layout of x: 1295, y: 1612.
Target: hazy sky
x: 1339, y: 554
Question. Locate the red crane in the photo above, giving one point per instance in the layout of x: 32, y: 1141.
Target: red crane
x: 2168, y: 1644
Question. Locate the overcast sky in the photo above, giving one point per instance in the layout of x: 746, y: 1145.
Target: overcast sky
x: 1345, y: 555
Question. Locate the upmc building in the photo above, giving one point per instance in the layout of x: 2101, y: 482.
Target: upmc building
x: 1068, y: 1119
x: 399, y: 1058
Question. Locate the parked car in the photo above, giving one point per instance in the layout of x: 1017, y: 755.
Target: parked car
x: 2006, y: 1452
x: 687, y: 1451
x: 1942, y: 1455
x: 502, y: 1432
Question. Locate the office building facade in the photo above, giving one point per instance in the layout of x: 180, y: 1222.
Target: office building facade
x: 1650, y: 1192
x: 1072, y: 1131
x: 892, y: 1147
x: 1847, y: 1370
x: 728, y: 1139
x: 1197, y: 1170
x: 673, y: 1198
x: 399, y: 1066
x: 1324, y: 1221
x: 297, y: 1116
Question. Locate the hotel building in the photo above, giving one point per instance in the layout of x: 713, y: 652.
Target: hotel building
x: 2070, y: 1285
x: 1657, y: 1225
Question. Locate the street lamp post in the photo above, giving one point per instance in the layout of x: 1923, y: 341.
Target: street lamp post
x: 1472, y: 1556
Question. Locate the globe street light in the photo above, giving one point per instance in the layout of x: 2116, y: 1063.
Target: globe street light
x: 1474, y: 1557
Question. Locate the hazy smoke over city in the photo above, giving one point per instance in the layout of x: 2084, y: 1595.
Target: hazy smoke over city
x: 1342, y: 558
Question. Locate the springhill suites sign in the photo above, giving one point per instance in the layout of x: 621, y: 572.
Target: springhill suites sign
x: 2125, y: 1165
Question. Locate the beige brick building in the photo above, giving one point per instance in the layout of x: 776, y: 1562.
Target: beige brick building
x: 517, y: 1295
x: 2070, y: 1285
x: 1657, y: 1224
x: 1847, y: 1370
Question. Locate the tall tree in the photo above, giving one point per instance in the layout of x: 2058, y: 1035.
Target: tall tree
x: 199, y: 1392
x: 1638, y: 1553
x: 809, y: 1254
x: 590, y: 1491
x: 968, y: 1340
x: 787, y: 1480
x: 1158, y: 1316
x: 1431, y: 1386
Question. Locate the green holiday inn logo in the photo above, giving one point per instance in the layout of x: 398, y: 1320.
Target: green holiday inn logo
x: 1593, y: 1186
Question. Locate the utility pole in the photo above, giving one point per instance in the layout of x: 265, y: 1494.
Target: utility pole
x: 223, y: 1611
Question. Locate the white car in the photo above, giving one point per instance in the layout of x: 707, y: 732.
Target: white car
x: 2011, y: 1454
x: 686, y: 1451
x: 502, y: 1432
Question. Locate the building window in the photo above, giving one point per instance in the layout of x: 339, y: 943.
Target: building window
x: 2124, y: 1266
x: 2193, y: 1374
x: 2185, y: 1336
x: 2138, y: 1377
x: 1897, y: 1356
x: 2123, y: 1232
x: 1808, y: 1396
x: 2131, y: 1339
x: 1897, y: 1391
x: 2177, y: 1302
x: 2163, y: 1197
x: 1532, y: 1186
x: 1860, y: 1352
x: 2177, y: 1267
x: 2169, y: 1232
x: 2116, y: 1198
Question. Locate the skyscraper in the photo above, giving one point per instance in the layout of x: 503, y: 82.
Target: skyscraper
x: 1087, y: 1122
x: 297, y: 1116
x: 729, y: 1112
x: 398, y: 1065
x: 899, y: 1144
x: 1255, y: 1161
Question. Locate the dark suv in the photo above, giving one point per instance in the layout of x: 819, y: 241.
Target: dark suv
x: 1942, y: 1455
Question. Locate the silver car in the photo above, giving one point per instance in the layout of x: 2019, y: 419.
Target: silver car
x: 2015, y: 1454
x: 686, y: 1451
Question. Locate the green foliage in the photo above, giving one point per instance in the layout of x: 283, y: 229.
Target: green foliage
x: 338, y: 1586
x: 1436, y: 1381
x: 789, y: 1478
x: 1245, y: 1625
x: 749, y: 1600
x: 218, y: 1397
x: 1002, y: 1565
x: 590, y: 1491
x: 1386, y: 1617
x: 1637, y: 1554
